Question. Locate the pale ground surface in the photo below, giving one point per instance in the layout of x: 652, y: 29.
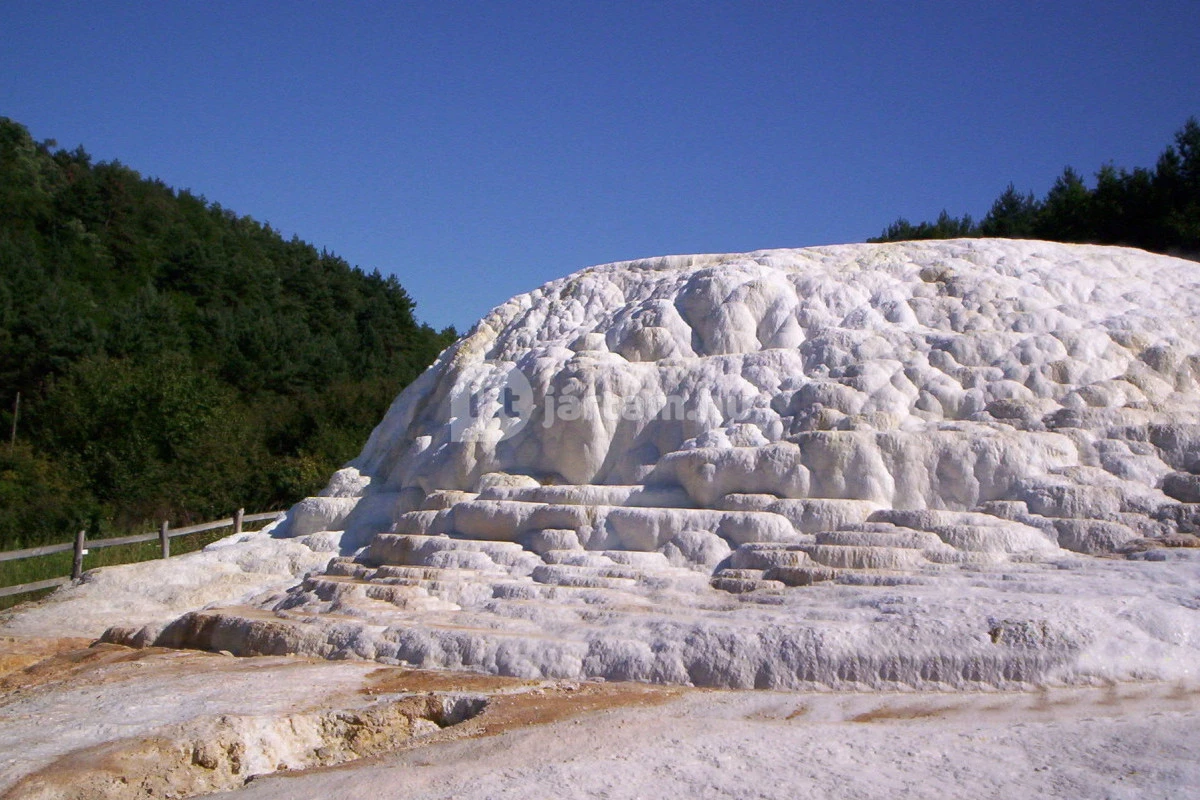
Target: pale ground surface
x: 105, y: 721
x: 93, y: 696
x: 743, y: 745
x: 154, y: 591
x: 109, y: 722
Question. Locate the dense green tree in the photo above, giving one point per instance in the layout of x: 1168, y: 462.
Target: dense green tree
x: 946, y: 227
x: 1066, y: 211
x: 40, y: 498
x: 1012, y: 215
x: 1179, y: 175
x: 1157, y: 209
x: 173, y: 357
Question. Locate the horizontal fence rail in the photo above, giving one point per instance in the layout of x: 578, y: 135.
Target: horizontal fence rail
x: 33, y: 587
x: 82, y: 545
x: 34, y: 552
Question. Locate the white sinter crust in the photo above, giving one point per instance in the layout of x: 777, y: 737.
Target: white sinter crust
x: 923, y: 464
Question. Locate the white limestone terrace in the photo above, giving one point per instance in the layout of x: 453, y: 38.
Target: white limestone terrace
x: 922, y: 464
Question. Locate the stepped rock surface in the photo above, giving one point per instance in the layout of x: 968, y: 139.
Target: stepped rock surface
x: 925, y: 464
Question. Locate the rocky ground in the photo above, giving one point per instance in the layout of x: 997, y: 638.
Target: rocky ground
x: 81, y: 720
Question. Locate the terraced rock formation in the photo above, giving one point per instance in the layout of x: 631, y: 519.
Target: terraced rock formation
x: 916, y: 464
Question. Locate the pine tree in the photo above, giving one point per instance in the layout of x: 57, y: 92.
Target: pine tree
x: 1066, y: 213
x: 1012, y: 215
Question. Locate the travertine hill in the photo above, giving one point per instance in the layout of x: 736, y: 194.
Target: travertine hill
x: 924, y: 464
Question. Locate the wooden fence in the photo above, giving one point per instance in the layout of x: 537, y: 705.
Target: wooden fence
x: 81, y: 546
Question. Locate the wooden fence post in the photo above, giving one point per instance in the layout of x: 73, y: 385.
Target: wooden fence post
x: 237, y: 520
x: 164, y: 541
x: 77, y: 564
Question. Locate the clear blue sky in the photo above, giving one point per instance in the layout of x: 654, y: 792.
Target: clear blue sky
x: 477, y: 149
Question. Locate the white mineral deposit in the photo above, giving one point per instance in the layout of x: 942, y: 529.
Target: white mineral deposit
x: 952, y: 465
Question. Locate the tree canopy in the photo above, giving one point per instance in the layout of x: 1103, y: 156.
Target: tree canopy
x: 1157, y: 210
x: 174, y: 358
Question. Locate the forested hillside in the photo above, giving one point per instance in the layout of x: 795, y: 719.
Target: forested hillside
x: 1157, y: 210
x: 173, y: 358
